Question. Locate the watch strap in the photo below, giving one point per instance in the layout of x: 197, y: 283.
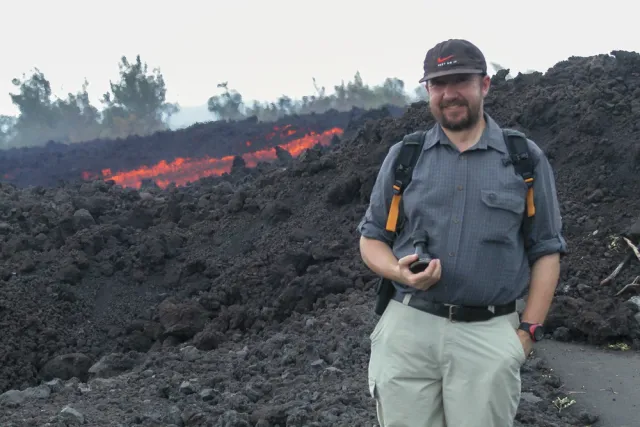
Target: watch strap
x: 529, y: 328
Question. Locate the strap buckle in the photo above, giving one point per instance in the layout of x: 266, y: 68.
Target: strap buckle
x: 397, y: 187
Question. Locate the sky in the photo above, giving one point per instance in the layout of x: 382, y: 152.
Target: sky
x: 265, y: 49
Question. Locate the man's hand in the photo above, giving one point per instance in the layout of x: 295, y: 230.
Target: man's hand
x: 526, y: 341
x: 423, y: 280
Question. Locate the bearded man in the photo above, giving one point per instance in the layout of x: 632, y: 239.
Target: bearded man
x: 448, y: 348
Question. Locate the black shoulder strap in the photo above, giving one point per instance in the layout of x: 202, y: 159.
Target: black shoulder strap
x: 520, y: 158
x: 403, y: 173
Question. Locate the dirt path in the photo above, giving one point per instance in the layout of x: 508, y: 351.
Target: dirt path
x: 601, y: 381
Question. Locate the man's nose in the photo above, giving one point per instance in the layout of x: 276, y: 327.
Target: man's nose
x: 450, y: 95
x: 450, y: 91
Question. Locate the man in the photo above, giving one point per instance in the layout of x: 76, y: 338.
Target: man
x: 434, y: 365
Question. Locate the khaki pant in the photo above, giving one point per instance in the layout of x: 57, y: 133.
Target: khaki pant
x: 426, y: 371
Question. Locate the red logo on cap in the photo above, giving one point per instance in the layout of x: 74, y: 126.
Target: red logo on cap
x: 446, y: 58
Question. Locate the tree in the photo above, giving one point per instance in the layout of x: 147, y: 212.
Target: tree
x: 227, y: 105
x: 230, y: 106
x: 43, y: 118
x: 138, y: 101
x: 78, y: 120
x: 34, y: 102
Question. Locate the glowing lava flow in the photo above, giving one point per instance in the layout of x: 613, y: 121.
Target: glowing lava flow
x: 183, y: 170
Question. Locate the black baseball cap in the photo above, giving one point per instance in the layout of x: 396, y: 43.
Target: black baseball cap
x: 453, y: 56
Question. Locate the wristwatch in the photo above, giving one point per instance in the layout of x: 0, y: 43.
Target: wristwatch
x: 535, y: 330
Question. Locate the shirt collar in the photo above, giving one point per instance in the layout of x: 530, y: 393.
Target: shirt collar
x: 491, y: 137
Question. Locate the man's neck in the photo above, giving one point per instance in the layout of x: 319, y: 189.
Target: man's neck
x: 466, y: 139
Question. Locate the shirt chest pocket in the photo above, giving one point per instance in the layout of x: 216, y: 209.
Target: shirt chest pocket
x: 501, y: 214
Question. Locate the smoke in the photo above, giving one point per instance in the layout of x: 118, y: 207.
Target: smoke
x: 131, y: 110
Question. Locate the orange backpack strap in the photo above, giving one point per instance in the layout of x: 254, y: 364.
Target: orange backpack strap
x: 403, y: 173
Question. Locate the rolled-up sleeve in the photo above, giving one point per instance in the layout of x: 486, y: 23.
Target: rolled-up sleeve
x: 373, y: 223
x: 544, y: 235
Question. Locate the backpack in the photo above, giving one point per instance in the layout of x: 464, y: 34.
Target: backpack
x: 519, y: 157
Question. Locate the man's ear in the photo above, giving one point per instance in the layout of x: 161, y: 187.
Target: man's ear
x: 486, y: 84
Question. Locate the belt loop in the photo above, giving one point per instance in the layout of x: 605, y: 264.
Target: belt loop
x: 406, y: 299
x: 451, y: 312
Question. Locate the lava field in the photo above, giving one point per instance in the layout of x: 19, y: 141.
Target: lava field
x: 240, y: 299
x: 179, y: 157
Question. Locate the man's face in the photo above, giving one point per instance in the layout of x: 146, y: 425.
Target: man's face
x: 456, y: 100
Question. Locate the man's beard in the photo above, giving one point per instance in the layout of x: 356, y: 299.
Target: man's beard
x: 472, y: 116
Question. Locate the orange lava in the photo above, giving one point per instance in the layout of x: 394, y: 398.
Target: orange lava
x: 183, y: 170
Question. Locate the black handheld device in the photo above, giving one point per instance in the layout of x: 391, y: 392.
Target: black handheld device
x: 420, y: 242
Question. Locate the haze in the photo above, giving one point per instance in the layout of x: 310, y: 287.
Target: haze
x: 265, y: 49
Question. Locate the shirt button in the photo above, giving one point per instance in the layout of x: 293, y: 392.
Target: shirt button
x: 452, y: 254
x: 459, y: 187
x: 456, y: 220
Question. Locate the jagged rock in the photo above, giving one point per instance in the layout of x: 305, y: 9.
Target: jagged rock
x: 12, y: 398
x: 71, y: 416
x: 67, y: 366
x: 115, y: 364
x: 182, y: 319
x: 83, y: 219
x: 18, y: 397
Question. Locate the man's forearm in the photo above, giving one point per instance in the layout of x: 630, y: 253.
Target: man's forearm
x: 544, y: 280
x: 379, y: 257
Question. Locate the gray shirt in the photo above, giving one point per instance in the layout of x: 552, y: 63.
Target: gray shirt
x: 472, y: 206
